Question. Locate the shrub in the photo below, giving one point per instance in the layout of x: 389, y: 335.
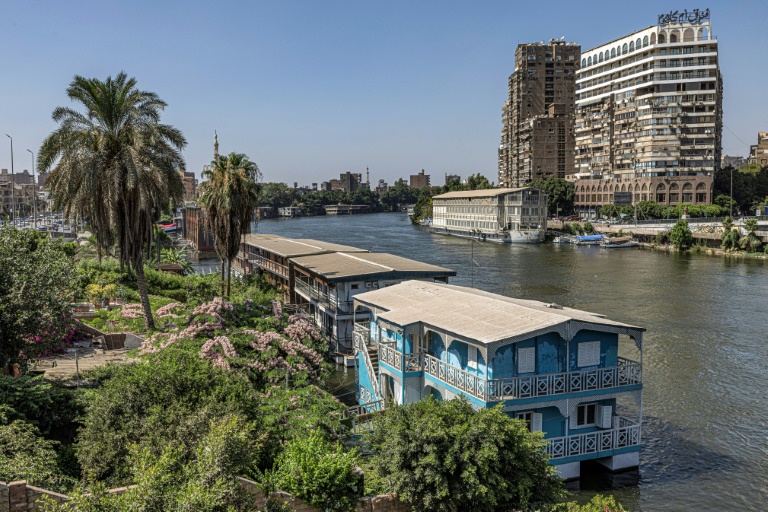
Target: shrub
x: 662, y: 237
x: 680, y: 235
x: 465, y: 460
x: 598, y: 503
x: 319, y: 472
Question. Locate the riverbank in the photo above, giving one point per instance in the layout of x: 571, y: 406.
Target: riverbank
x: 709, y: 251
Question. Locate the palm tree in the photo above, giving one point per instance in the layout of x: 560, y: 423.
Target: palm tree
x: 177, y: 257
x: 229, y: 196
x: 115, y: 164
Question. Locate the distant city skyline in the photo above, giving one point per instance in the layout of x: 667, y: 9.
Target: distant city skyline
x: 310, y: 90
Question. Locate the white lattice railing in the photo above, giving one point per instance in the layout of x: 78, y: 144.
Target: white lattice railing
x: 361, y: 344
x: 626, y: 373
x: 626, y: 435
x: 455, y: 376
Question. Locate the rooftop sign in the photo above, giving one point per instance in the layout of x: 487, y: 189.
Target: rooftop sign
x: 693, y: 17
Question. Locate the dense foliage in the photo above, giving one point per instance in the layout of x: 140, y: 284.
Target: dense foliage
x: 444, y: 456
x: 750, y: 187
x: 318, y: 471
x: 560, y: 194
x: 680, y: 235
x: 35, y: 281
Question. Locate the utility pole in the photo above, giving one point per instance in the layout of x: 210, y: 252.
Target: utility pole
x: 34, y: 189
x: 13, y: 185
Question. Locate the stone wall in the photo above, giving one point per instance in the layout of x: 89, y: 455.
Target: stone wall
x: 113, y: 340
x: 17, y: 496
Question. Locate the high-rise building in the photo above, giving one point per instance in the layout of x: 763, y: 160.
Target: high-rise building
x: 420, y: 180
x: 758, y: 154
x: 537, y: 119
x: 649, y: 116
x: 189, y: 182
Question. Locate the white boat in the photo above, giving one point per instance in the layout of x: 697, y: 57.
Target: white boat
x: 561, y: 240
x: 619, y: 242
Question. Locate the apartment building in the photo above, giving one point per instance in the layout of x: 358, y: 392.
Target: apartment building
x: 537, y: 138
x: 649, y: 116
x: 758, y: 154
x: 420, y: 180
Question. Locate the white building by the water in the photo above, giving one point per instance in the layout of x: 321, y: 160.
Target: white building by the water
x: 517, y: 215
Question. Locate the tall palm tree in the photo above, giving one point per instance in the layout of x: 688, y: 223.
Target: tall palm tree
x: 115, y: 163
x: 229, y: 195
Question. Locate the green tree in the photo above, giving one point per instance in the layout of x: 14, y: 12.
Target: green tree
x: 319, y: 472
x: 399, y: 194
x: 177, y: 256
x: 229, y: 195
x: 276, y: 195
x: 751, y: 226
x: 444, y: 456
x: 115, y: 164
x: 680, y: 235
x: 36, y: 276
x: 598, y: 503
x: 478, y: 182
x: 560, y: 194
x: 25, y: 455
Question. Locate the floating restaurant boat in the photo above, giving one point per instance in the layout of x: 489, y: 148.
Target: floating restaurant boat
x: 511, y: 215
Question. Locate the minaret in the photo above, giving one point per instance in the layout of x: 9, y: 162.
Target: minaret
x: 367, y: 178
x: 215, y: 146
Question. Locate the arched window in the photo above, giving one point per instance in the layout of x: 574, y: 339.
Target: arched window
x: 688, y: 34
x: 623, y: 188
x: 607, y: 55
x: 583, y: 63
x: 624, y: 49
x: 673, y: 186
x: 611, y: 188
x: 673, y: 37
x: 687, y: 186
x: 661, y: 188
x: 601, y: 57
x: 613, y: 53
x: 593, y: 188
x: 661, y: 39
x: 631, y: 46
x: 701, y: 187
x: 599, y: 188
x: 644, y: 187
x: 618, y: 50
x: 653, y: 38
x: 589, y: 60
x: 645, y: 41
x: 637, y: 187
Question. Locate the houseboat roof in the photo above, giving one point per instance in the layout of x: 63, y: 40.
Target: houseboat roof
x: 489, y: 192
x: 342, y: 266
x: 475, y: 314
x: 291, y: 247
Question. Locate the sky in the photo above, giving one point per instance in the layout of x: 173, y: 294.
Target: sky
x: 311, y: 89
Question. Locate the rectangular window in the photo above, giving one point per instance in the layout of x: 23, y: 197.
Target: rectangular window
x: 526, y: 360
x: 586, y: 415
x: 532, y: 419
x: 589, y: 353
x: 472, y: 357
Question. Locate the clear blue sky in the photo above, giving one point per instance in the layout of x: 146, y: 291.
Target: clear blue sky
x: 310, y: 89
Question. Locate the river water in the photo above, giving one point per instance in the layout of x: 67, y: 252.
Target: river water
x: 705, y: 374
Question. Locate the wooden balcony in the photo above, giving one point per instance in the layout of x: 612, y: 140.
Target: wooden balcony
x: 625, y: 434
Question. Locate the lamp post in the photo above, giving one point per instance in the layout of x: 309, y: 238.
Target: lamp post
x: 731, y: 201
x: 13, y: 185
x: 34, y: 189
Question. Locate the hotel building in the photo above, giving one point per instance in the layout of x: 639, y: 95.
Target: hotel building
x: 649, y: 116
x: 537, y: 138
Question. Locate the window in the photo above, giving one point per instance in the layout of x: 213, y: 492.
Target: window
x: 533, y: 419
x: 589, y: 353
x: 586, y: 415
x: 526, y: 360
x: 471, y: 357
x: 355, y: 286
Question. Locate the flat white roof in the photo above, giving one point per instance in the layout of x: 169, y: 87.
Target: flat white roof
x: 489, y: 192
x: 471, y: 313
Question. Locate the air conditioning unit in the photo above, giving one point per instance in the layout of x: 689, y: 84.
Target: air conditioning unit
x: 369, y: 284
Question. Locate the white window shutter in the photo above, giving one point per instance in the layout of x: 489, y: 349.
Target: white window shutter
x: 589, y: 354
x: 472, y: 357
x: 573, y: 422
x: 606, y: 414
x: 536, y: 422
x: 526, y: 360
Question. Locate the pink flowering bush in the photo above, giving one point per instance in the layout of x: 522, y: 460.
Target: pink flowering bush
x: 171, y: 310
x: 131, y: 311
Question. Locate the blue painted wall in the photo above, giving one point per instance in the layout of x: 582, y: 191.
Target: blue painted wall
x: 457, y: 354
x: 609, y: 348
x: 437, y: 347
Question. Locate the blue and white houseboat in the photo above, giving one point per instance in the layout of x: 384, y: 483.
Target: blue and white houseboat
x: 559, y: 369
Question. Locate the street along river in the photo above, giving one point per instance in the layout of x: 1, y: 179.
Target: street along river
x: 705, y: 375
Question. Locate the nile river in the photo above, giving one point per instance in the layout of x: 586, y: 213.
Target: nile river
x: 705, y: 374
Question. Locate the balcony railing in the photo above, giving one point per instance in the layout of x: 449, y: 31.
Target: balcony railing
x: 625, y: 374
x: 269, y: 265
x: 626, y: 434
x: 329, y: 301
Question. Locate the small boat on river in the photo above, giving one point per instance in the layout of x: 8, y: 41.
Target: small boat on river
x: 619, y: 242
x: 590, y: 239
